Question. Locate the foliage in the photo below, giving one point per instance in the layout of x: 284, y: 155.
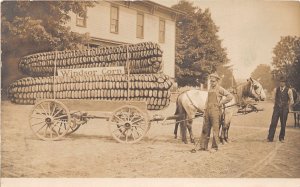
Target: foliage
x: 286, y: 60
x: 228, y: 80
x: 263, y: 74
x: 40, y: 23
x: 198, y: 48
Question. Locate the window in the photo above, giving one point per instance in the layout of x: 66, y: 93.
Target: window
x: 140, y: 26
x: 81, y: 19
x: 162, y: 27
x: 114, y: 19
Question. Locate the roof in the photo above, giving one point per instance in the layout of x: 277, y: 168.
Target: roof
x: 152, y: 5
x: 163, y: 7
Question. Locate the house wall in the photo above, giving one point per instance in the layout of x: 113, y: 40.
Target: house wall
x: 98, y: 26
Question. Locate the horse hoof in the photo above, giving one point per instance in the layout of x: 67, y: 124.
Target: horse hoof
x: 192, y: 140
x: 175, y: 137
x: 185, y: 142
x: 193, y: 151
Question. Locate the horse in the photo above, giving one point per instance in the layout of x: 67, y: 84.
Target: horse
x: 296, y: 107
x: 190, y: 102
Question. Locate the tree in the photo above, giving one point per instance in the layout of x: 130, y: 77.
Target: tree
x: 286, y: 60
x: 198, y: 48
x: 263, y: 74
x: 228, y: 80
x: 36, y: 26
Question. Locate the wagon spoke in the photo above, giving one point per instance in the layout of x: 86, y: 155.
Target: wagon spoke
x: 59, y: 127
x: 54, y: 107
x: 136, y: 130
x: 119, y: 135
x: 57, y: 112
x: 59, y: 117
x: 138, y: 120
x: 116, y: 130
x: 128, y: 116
x: 44, y: 109
x: 51, y: 132
x: 38, y: 123
x: 39, y: 112
x: 119, y: 118
x: 49, y: 107
x: 37, y: 117
x: 126, y: 137
x: 55, y: 125
x: 133, y: 134
x: 45, y: 131
x: 134, y: 117
x: 140, y: 127
x: 62, y: 125
x: 41, y: 128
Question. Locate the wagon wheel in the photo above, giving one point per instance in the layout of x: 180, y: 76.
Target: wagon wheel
x: 73, y: 127
x: 49, y: 119
x: 128, y: 124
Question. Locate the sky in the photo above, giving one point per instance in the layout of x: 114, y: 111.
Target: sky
x: 250, y: 29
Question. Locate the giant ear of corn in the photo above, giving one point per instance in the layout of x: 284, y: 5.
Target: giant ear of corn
x: 153, y: 88
x: 143, y: 58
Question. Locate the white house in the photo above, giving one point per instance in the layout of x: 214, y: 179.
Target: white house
x: 129, y: 22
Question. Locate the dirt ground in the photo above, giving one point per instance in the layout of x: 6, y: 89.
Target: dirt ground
x: 92, y: 152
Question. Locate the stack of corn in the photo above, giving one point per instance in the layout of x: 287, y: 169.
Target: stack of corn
x: 144, y: 58
x: 152, y: 88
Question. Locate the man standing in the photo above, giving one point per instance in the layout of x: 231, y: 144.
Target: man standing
x: 283, y: 100
x: 212, y: 113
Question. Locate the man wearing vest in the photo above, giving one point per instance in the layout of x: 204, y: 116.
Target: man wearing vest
x: 212, y: 112
x: 283, y: 101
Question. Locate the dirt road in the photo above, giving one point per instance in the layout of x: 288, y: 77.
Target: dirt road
x: 92, y: 152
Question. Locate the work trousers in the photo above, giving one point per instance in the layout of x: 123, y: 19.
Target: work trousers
x: 211, y: 121
x: 282, y: 114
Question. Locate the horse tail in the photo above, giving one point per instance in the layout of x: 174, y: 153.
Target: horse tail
x: 179, y: 112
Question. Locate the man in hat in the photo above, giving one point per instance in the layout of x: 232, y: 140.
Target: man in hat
x: 212, y: 113
x: 283, y: 101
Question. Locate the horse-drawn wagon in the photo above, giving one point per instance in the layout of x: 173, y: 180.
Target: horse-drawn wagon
x: 62, y: 103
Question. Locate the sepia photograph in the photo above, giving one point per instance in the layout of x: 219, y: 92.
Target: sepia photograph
x: 150, y: 93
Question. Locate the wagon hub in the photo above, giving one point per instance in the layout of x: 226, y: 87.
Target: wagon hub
x: 127, y: 125
x: 49, y: 120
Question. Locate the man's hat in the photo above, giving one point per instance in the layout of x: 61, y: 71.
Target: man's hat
x: 282, y: 79
x: 215, y: 75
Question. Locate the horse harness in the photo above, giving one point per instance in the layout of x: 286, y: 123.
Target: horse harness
x: 193, y: 104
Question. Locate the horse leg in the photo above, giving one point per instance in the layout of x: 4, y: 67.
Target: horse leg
x: 183, y: 130
x: 295, y: 119
x: 222, y: 136
x: 222, y: 130
x: 226, y: 134
x: 298, y: 115
x: 189, y: 126
x: 179, y: 111
x: 176, y: 129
